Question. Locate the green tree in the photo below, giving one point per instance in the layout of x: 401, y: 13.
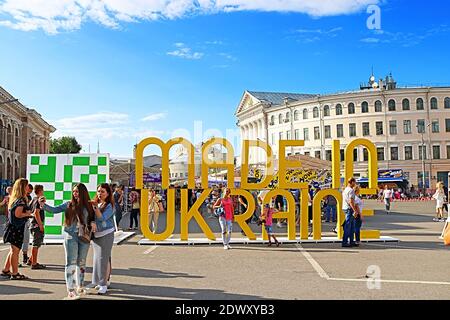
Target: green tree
x: 64, y: 145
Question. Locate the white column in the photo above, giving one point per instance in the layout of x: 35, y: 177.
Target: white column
x: 256, y: 136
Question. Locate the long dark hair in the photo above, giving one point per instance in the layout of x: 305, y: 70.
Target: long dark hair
x: 76, y: 208
x: 109, y: 199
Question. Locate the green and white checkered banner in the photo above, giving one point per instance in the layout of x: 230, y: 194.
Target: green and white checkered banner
x: 58, y: 173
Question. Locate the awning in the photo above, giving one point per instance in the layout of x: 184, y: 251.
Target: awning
x: 366, y: 180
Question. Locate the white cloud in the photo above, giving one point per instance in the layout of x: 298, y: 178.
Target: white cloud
x: 104, y: 126
x: 370, y: 40
x: 155, y: 116
x: 185, y: 52
x: 93, y: 120
x: 54, y: 16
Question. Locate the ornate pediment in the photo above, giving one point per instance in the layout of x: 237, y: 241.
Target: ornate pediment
x: 247, y: 102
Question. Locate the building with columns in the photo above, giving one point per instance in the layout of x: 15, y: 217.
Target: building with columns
x: 22, y: 132
x: 406, y: 125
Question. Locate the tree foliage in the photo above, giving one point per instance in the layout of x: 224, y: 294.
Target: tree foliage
x: 64, y: 145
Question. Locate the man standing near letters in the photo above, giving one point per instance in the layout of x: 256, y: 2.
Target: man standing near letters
x: 348, y: 206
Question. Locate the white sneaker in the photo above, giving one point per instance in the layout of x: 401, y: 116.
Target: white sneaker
x: 102, y: 290
x: 225, y: 247
x: 228, y: 246
x: 435, y: 219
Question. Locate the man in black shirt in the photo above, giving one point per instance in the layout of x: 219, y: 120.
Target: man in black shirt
x: 37, y: 227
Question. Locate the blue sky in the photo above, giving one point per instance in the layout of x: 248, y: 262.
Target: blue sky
x: 98, y: 74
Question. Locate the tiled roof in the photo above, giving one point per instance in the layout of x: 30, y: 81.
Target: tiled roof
x: 277, y: 98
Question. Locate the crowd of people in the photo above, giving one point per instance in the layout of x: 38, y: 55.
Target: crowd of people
x: 86, y: 222
x: 92, y: 222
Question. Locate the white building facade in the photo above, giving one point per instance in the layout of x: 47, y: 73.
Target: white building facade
x: 405, y: 124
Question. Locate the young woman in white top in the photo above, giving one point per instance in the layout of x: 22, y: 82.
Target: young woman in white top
x: 439, y: 196
x: 358, y: 215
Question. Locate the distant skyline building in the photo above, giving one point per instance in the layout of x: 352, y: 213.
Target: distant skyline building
x: 403, y: 123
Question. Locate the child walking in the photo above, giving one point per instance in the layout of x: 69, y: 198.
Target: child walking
x: 266, y: 218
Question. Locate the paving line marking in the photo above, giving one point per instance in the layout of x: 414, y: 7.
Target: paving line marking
x: 392, y: 281
x: 321, y: 272
x: 313, y: 262
x: 154, y: 247
x: 4, y: 249
x: 150, y: 250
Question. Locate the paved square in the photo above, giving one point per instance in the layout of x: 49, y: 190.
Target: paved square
x: 415, y: 268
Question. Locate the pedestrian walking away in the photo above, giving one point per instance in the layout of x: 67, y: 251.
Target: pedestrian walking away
x: 266, y: 219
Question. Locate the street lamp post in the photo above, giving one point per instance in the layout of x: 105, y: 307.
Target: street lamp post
x: 422, y: 131
x: 423, y: 164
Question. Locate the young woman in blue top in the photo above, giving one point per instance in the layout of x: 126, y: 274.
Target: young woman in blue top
x: 78, y: 212
x: 103, y: 240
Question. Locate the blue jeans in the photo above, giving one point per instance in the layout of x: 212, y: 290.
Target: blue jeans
x: 358, y: 224
x: 331, y: 212
x: 227, y: 228
x: 76, y: 253
x: 349, y: 227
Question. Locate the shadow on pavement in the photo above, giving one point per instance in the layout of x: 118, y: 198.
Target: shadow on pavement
x: 141, y: 292
x: 148, y: 273
x: 7, y: 289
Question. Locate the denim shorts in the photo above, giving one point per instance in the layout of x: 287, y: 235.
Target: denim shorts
x: 269, y: 229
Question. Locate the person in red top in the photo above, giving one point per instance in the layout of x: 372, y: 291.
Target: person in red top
x: 266, y: 218
x: 226, y: 220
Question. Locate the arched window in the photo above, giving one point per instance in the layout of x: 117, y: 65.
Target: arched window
x: 378, y: 106
x: 434, y: 103
x: 17, y: 142
x: 9, y: 138
x: 447, y: 103
x: 2, y: 167
x: 288, y: 116
x: 305, y: 113
x: 405, y: 104
x: 351, y: 108
x: 326, y: 111
x: 16, y: 170
x: 315, y: 112
x: 391, y: 105
x: 296, y: 115
x: 2, y: 134
x: 339, y: 109
x: 419, y: 104
x: 8, y: 169
x: 364, y: 107
x: 280, y: 118
x: 272, y: 120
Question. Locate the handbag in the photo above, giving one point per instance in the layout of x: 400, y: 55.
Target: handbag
x: 84, y: 232
x: 219, y: 212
